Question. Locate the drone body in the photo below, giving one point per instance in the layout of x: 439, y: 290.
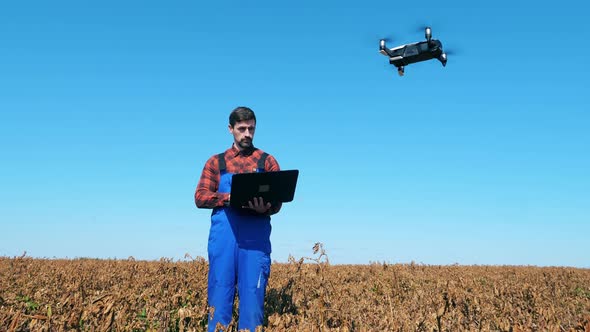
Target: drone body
x: 404, y: 55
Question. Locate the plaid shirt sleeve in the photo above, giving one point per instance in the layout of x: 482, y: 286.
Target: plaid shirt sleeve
x: 271, y: 164
x: 206, y: 195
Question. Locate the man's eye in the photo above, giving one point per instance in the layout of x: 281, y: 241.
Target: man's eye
x: 243, y: 129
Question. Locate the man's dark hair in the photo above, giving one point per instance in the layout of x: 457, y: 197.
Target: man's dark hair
x: 241, y: 113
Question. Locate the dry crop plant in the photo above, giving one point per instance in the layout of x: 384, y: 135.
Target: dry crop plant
x: 412, y: 297
x: 306, y: 294
x: 102, y: 295
x: 303, y: 296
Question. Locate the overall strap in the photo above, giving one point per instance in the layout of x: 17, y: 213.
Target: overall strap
x: 221, y: 161
x: 262, y: 161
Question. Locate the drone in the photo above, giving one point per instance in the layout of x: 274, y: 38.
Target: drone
x: 404, y: 55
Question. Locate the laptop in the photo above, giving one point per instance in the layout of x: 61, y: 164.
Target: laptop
x: 274, y: 187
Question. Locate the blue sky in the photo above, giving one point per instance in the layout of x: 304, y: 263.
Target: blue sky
x: 109, y: 110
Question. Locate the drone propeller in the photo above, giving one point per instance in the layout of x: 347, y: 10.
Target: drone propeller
x: 422, y: 27
x: 443, y: 58
x: 383, y: 42
x: 387, y: 40
x: 426, y: 29
x: 428, y: 33
x: 451, y: 51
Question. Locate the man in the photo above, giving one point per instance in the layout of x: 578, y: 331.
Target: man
x: 239, y: 239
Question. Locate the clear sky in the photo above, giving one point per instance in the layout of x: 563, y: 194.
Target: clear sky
x: 109, y: 110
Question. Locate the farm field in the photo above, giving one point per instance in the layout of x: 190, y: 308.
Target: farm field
x: 306, y: 294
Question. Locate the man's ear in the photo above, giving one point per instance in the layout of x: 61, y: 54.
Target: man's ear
x: 229, y: 127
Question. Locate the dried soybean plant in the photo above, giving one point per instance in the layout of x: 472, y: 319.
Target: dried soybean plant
x: 305, y: 294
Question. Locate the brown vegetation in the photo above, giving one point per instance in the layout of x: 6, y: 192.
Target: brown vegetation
x: 307, y: 294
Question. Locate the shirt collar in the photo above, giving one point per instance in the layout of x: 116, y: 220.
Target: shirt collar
x: 235, y: 151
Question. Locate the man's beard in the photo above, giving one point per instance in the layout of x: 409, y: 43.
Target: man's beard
x: 245, y: 143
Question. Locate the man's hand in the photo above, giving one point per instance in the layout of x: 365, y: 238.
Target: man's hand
x: 257, y: 204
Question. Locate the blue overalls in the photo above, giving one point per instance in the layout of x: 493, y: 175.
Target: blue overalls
x: 239, y: 253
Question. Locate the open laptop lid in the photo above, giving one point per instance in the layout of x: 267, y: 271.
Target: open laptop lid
x: 274, y: 187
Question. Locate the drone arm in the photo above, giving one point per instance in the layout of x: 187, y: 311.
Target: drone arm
x: 386, y: 52
x: 383, y: 49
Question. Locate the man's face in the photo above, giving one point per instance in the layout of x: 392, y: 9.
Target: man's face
x: 243, y: 132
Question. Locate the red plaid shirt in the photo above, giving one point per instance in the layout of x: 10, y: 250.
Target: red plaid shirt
x: 236, y: 161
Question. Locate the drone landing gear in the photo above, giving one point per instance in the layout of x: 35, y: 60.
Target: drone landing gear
x: 400, y: 70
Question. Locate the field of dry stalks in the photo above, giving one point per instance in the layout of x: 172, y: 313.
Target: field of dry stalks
x: 306, y: 294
